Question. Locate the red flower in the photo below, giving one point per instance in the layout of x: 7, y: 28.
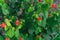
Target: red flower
x: 3, y: 25
x: 20, y: 38
x: 38, y: 18
x: 6, y: 39
x: 17, y: 22
x: 53, y: 5
x: 39, y: 0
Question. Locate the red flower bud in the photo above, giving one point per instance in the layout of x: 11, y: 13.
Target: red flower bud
x: 20, y: 38
x: 6, y: 39
x: 3, y: 25
x: 39, y: 0
x: 17, y: 22
x: 38, y: 18
x: 53, y: 5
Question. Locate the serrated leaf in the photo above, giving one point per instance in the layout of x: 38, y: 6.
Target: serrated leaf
x: 7, y: 22
x: 17, y: 33
x: 10, y: 33
x: 5, y: 10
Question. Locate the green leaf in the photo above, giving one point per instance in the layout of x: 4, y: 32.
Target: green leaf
x: 49, y: 1
x: 6, y: 28
x: 10, y: 33
x: 30, y: 9
x: 17, y: 33
x: 26, y: 0
x: 1, y: 38
x: 40, y: 38
x: 44, y: 7
x: 0, y: 4
x: 43, y: 21
x: 5, y: 10
x: 7, y: 22
x: 38, y: 30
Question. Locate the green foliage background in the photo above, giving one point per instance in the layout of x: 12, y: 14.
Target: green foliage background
x: 27, y: 12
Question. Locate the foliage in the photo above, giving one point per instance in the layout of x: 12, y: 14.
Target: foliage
x: 29, y: 20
